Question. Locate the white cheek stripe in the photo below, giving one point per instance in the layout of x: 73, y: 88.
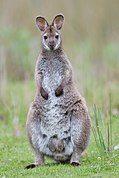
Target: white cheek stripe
x: 58, y: 43
x: 45, y: 46
x: 45, y: 34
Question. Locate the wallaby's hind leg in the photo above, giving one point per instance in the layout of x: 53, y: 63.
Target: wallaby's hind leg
x: 38, y: 162
x: 33, y: 121
x: 80, y: 131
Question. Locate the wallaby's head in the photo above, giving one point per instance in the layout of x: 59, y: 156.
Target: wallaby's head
x: 51, y: 37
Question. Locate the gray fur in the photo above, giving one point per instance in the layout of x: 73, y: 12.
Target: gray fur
x: 58, y: 127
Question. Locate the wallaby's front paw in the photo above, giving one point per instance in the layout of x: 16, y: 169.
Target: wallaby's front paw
x: 59, y: 91
x: 44, y: 94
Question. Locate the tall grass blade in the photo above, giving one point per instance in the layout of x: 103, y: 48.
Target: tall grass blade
x: 96, y: 139
x: 104, y: 146
x: 110, y: 122
x: 108, y: 137
x: 101, y: 141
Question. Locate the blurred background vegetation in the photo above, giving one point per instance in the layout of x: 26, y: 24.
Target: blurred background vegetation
x: 90, y: 39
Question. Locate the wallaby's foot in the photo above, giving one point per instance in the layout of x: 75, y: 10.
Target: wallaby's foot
x: 31, y: 166
x: 75, y: 158
x: 39, y: 162
x: 75, y: 163
x: 59, y: 91
x: 44, y: 94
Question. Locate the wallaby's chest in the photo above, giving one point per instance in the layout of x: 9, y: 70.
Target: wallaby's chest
x: 52, y: 72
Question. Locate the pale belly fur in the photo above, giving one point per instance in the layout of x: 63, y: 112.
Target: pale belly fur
x: 54, y: 121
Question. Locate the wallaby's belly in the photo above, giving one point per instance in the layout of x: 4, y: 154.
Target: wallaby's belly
x: 55, y: 123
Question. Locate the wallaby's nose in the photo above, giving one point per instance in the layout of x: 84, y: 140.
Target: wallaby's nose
x: 51, y: 45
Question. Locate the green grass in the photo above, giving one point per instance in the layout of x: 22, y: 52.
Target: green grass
x: 15, y: 151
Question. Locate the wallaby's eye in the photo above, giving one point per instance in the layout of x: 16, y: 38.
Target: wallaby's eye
x: 45, y: 37
x: 57, y: 36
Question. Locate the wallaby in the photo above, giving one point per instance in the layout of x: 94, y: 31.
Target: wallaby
x: 58, y: 121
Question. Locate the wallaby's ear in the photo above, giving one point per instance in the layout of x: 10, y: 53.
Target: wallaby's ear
x: 58, y: 21
x: 41, y: 23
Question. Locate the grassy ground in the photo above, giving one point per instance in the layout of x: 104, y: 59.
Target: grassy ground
x: 15, y: 152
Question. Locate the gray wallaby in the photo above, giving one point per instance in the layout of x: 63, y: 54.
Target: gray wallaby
x: 58, y: 122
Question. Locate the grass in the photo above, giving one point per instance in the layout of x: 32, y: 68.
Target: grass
x: 104, y: 144
x: 15, y: 151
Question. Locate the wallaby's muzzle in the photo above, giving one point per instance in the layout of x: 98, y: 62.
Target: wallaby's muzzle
x: 51, y: 45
